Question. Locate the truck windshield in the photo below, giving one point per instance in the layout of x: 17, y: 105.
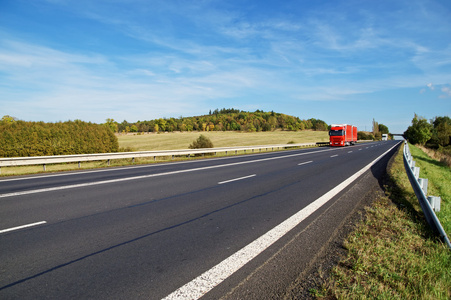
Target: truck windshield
x: 336, y: 132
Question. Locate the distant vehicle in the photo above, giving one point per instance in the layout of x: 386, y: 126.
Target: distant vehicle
x: 342, y: 135
x: 385, y: 137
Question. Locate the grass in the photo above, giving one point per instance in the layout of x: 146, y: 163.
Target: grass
x: 177, y: 140
x: 393, y: 254
x: 438, y: 174
x: 173, y: 141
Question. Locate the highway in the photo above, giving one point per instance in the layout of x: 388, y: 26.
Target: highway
x: 150, y: 231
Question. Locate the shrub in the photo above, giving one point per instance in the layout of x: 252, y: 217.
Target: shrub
x: 361, y: 135
x: 201, y: 142
x: 20, y: 138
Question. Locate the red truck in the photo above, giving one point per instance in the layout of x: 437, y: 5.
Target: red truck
x: 342, y: 135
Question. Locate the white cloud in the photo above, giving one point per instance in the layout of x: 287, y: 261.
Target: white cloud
x: 446, y: 92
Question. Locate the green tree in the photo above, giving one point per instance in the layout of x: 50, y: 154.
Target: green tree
x: 419, y: 132
x: 383, y: 129
x: 8, y: 119
x: 441, y: 134
x: 112, y: 125
x: 161, y: 124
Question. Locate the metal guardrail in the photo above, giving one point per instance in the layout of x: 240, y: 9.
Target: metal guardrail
x: 45, y: 160
x: 428, y: 204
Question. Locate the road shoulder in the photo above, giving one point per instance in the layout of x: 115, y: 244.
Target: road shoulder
x: 304, y: 261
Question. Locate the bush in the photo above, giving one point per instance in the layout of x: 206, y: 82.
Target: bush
x: 20, y: 138
x: 363, y: 136
x: 201, y: 142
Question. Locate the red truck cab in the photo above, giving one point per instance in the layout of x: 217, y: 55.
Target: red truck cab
x: 342, y: 135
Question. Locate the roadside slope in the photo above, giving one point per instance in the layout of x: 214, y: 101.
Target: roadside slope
x: 392, y: 254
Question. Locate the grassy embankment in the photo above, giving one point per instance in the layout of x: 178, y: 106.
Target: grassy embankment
x: 177, y: 140
x: 392, y: 254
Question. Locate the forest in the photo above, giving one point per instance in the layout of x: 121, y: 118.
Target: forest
x: 221, y: 120
x: 20, y: 138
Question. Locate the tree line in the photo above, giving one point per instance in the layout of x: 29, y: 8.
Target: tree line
x: 20, y: 138
x: 435, y: 133
x: 221, y: 120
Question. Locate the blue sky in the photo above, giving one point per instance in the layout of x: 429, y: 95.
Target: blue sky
x: 339, y: 61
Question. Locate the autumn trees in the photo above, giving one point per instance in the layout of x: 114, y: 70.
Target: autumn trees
x: 20, y: 138
x: 224, y: 120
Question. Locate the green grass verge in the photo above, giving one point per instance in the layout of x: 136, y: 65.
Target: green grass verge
x: 439, y: 183
x: 392, y: 254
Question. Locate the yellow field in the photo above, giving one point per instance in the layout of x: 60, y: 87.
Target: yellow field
x: 182, y: 140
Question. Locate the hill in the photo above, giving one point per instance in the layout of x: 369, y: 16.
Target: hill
x: 221, y: 120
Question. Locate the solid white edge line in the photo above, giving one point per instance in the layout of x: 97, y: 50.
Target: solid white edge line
x: 213, y: 277
x: 236, y: 179
x: 23, y: 226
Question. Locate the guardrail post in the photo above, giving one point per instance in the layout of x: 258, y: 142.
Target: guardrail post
x: 435, y: 203
x: 423, y: 184
x: 416, y: 172
x: 79, y: 164
x: 43, y: 166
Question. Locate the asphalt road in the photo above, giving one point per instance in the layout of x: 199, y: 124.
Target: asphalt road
x: 143, y: 232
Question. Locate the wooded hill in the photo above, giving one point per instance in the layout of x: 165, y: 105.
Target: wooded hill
x: 221, y: 120
x: 20, y: 138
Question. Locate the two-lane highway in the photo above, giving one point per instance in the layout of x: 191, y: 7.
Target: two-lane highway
x: 151, y: 231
